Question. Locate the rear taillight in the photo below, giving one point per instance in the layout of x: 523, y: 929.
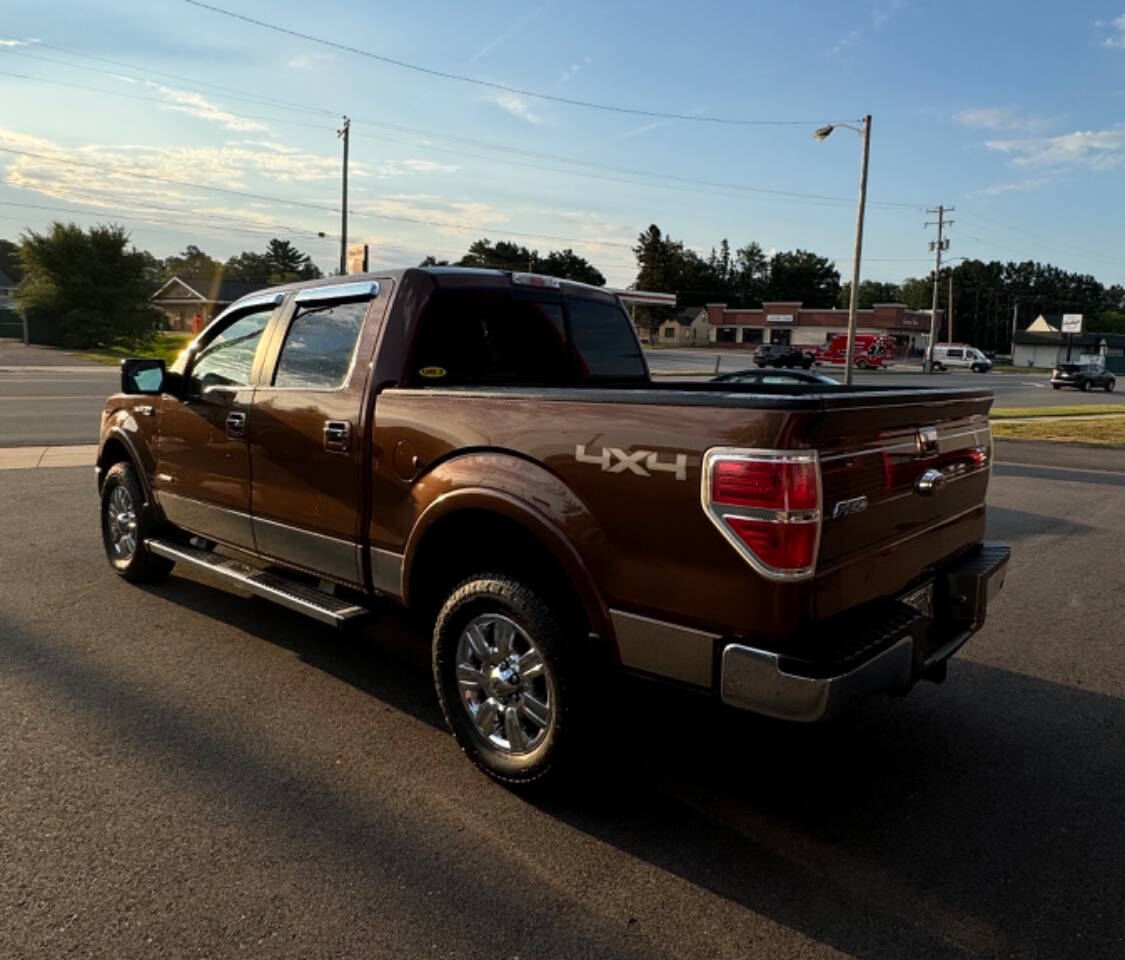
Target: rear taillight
x: 767, y: 505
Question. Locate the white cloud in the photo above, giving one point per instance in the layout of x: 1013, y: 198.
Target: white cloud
x: 18, y: 43
x: 879, y: 15
x: 517, y: 106
x: 1018, y: 186
x: 849, y: 39
x: 1001, y: 118
x: 309, y: 61
x: 1117, y: 38
x: 1095, y: 149
x: 124, y: 177
x: 197, y: 105
x: 447, y: 216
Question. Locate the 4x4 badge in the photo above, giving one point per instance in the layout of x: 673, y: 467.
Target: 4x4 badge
x: 644, y: 463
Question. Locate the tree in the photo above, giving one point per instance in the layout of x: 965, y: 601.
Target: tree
x: 192, y: 262
x: 432, y: 261
x: 503, y: 255
x: 871, y: 292
x: 803, y: 276
x: 751, y: 275
x: 281, y: 263
x: 916, y: 293
x: 10, y: 261
x: 570, y: 266
x: 91, y: 283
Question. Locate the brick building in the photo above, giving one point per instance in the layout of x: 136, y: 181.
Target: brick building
x: 782, y: 322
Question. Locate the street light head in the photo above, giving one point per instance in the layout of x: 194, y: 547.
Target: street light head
x: 821, y: 133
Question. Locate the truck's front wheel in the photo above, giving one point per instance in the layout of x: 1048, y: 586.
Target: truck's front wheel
x: 125, y: 525
x: 501, y: 676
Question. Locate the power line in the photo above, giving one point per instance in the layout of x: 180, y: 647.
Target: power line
x: 714, y: 188
x: 446, y: 75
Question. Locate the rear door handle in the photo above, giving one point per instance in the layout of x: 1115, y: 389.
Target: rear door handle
x: 236, y: 425
x: 337, y: 435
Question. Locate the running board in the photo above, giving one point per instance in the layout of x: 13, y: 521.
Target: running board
x: 262, y: 583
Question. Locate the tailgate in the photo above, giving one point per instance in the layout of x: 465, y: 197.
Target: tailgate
x: 904, y: 481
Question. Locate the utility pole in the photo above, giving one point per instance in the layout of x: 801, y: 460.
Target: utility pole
x: 1015, y: 317
x: 345, y: 133
x: 937, y: 247
x: 950, y: 309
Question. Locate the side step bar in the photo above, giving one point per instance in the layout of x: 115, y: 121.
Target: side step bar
x: 296, y: 596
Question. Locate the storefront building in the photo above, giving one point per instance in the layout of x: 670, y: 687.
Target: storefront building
x: 789, y: 322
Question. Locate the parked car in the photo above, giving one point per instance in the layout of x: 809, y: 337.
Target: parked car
x: 487, y: 450
x: 1083, y: 375
x: 782, y: 355
x: 789, y: 377
x: 960, y: 356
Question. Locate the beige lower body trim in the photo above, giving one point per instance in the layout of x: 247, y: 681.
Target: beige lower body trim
x: 664, y: 649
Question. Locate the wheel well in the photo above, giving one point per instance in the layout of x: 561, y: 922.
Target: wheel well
x: 479, y: 541
x: 113, y: 452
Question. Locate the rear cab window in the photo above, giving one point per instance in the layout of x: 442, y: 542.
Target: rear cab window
x: 517, y: 337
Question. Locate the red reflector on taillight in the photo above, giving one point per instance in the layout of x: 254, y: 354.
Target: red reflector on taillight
x: 784, y: 546
x: 765, y: 484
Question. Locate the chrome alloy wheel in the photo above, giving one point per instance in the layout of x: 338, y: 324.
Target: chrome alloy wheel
x: 504, y: 683
x: 122, y: 517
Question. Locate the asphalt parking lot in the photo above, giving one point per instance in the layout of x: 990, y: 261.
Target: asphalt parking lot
x: 188, y: 773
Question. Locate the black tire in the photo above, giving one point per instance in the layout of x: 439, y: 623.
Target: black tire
x: 807, y: 363
x: 861, y: 364
x: 474, y: 601
x: 1085, y: 386
x: 1110, y: 384
x: 1057, y: 386
x: 136, y: 565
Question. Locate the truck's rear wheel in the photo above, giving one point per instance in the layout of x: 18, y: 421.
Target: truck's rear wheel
x: 125, y: 525
x: 501, y: 676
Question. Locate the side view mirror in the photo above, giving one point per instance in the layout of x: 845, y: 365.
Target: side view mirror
x: 142, y: 375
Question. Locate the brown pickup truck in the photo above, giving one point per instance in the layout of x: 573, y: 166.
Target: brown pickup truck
x: 488, y: 450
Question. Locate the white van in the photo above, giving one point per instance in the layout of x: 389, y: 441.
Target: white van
x: 958, y: 356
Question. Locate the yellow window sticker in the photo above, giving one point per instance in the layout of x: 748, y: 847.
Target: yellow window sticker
x: 432, y: 372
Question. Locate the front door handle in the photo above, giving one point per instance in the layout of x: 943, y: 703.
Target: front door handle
x: 236, y: 425
x: 337, y: 435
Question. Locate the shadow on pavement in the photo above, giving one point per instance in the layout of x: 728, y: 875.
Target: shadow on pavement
x: 983, y: 817
x: 1007, y: 525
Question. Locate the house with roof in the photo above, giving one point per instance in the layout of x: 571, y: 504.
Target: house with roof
x: 190, y: 303
x: 7, y: 288
x: 10, y: 323
x: 688, y: 328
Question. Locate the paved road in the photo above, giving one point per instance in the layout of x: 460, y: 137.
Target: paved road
x: 1011, y: 389
x: 49, y: 396
x: 187, y: 773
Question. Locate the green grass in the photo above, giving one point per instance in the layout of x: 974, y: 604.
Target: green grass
x: 1007, y: 413
x: 166, y: 347
x: 1102, y: 433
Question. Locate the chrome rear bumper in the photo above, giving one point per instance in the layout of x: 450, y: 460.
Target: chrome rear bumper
x: 754, y: 679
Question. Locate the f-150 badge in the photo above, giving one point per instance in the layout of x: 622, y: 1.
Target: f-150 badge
x: 644, y: 463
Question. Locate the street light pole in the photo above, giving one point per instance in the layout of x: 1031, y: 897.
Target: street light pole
x: 864, y: 130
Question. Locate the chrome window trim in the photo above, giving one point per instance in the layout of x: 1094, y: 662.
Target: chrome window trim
x: 246, y: 303
x: 908, y: 444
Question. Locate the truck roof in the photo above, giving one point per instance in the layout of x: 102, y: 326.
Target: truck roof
x: 487, y: 276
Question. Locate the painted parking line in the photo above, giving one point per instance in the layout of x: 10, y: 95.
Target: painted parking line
x: 33, y: 458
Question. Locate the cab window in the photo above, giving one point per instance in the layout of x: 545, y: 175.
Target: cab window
x: 228, y: 357
x: 318, y: 348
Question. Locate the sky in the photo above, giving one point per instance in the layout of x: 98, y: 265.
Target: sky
x: 191, y: 126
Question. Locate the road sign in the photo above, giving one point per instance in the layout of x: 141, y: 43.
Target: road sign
x: 357, y: 258
x: 1072, y: 323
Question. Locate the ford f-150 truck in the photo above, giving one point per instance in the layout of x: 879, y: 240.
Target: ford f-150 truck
x: 488, y: 450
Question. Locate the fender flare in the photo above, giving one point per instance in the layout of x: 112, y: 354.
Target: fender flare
x: 533, y: 521
x: 119, y: 435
